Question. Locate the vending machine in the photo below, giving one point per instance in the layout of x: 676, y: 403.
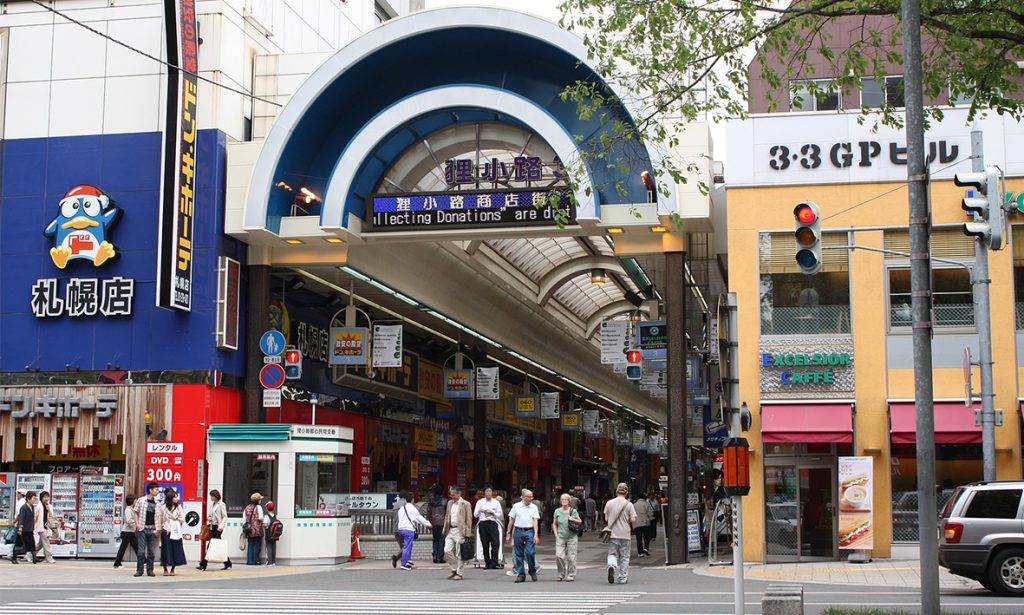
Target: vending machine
x: 100, y: 507
x: 7, y: 502
x: 64, y: 501
x: 34, y: 482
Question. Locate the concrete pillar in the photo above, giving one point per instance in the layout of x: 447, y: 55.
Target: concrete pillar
x: 480, y: 443
x: 258, y: 319
x: 675, y: 316
x: 568, y: 454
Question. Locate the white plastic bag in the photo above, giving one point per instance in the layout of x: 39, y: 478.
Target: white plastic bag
x: 217, y: 551
x: 174, y: 529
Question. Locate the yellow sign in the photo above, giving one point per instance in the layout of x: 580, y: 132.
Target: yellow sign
x: 571, y: 421
x: 431, y: 381
x: 425, y: 439
x: 526, y: 405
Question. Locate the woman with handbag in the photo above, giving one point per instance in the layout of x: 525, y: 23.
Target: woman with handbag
x: 172, y: 550
x: 567, y: 526
x: 213, y: 530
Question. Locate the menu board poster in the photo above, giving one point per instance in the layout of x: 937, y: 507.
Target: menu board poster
x: 855, y: 503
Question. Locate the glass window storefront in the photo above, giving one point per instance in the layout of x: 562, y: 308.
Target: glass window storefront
x: 955, y: 465
x: 245, y: 473
x: 793, y: 303
x: 321, y: 481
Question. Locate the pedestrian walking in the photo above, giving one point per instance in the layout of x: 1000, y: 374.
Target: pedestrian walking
x: 436, y: 508
x: 43, y: 515
x: 407, y: 518
x: 216, y: 518
x: 26, y: 528
x: 147, y: 528
x: 172, y: 525
x: 524, y: 535
x: 252, y: 527
x: 566, y: 538
x: 273, y: 530
x: 458, y: 527
x: 591, y: 507
x: 489, y: 518
x: 128, y: 530
x: 644, y: 518
x: 620, y: 515
x: 652, y: 529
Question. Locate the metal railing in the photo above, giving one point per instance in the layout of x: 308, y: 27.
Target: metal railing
x: 1019, y: 313
x: 946, y: 315
x: 816, y: 320
x: 374, y: 522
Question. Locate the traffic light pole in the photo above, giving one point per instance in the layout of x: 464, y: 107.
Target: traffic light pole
x: 984, y: 317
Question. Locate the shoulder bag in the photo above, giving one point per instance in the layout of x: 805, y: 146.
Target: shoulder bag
x: 606, y: 533
x: 574, y: 526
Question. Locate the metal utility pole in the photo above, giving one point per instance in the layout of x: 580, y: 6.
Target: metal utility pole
x: 675, y: 312
x: 921, y: 305
x: 984, y: 316
x: 735, y: 431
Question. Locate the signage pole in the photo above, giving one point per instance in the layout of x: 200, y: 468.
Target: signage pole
x: 984, y: 318
x: 737, y: 432
x: 921, y: 302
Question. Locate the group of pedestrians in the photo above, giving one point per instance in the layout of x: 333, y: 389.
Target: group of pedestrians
x: 35, y: 523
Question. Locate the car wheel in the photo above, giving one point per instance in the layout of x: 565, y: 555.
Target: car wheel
x: 1006, y: 572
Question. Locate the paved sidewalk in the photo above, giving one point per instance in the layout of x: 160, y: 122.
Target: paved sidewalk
x: 878, y: 573
x: 94, y: 572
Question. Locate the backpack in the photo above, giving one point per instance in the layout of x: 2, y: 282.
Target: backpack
x: 275, y: 529
x: 436, y: 515
x: 253, y: 526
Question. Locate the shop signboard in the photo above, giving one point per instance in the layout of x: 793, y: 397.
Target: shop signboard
x: 526, y: 405
x: 431, y: 381
x: 163, y: 462
x: 818, y: 369
x: 549, y: 405
x: 425, y: 439
x: 348, y: 345
x: 487, y: 383
x: 439, y: 211
x: 315, y: 432
x: 312, y: 341
x: 713, y: 349
x: 693, y: 530
x: 614, y: 341
x: 715, y: 431
x: 387, y: 346
x: 856, y: 491
x: 592, y: 422
x: 652, y: 339
x: 458, y: 383
x: 368, y: 501
x: 571, y: 421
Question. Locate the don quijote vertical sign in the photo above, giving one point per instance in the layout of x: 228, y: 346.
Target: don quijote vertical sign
x: 177, y: 211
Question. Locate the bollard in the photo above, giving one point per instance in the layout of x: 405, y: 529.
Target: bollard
x: 783, y: 600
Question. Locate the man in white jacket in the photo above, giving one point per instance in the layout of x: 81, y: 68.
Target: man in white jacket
x: 408, y: 517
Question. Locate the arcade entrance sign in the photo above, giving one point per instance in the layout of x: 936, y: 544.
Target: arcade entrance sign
x: 470, y: 209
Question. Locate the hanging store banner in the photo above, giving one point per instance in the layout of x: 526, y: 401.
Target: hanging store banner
x: 487, y: 383
x: 592, y: 422
x: 469, y: 209
x: 387, y: 345
x: 713, y: 349
x: 527, y: 405
x: 458, y: 383
x: 855, y: 494
x: 177, y: 206
x: 639, y: 437
x: 652, y: 339
x: 571, y: 421
x: 348, y: 345
x: 549, y: 405
x: 614, y: 342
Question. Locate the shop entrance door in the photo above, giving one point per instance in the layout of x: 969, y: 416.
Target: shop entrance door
x: 800, y: 513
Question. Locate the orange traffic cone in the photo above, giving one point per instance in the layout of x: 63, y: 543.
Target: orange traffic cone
x: 356, y: 554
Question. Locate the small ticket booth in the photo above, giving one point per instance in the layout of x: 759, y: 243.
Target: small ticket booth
x: 303, y: 469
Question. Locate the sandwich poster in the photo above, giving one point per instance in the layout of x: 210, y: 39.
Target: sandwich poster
x: 855, y: 499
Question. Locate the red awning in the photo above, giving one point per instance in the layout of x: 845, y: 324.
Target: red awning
x: 954, y: 423
x: 813, y: 423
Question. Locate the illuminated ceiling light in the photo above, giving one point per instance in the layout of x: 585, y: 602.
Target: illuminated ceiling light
x: 598, y: 276
x: 615, y: 230
x: 294, y: 242
x: 334, y: 240
x: 309, y: 194
x: 659, y: 229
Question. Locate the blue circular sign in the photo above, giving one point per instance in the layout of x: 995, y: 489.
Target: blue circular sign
x: 272, y: 343
x: 272, y: 376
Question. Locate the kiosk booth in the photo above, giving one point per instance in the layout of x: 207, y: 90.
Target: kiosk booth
x: 303, y: 469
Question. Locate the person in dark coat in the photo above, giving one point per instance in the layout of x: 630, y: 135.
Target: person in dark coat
x: 26, y: 526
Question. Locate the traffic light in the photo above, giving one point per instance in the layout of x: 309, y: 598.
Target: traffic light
x: 984, y: 200
x: 808, y: 237
x: 633, y: 370
x: 292, y: 363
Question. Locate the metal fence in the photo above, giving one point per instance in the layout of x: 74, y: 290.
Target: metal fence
x: 374, y: 522
x: 816, y: 320
x: 1019, y: 309
x: 946, y: 315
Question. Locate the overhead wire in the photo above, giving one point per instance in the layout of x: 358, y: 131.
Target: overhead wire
x: 152, y: 57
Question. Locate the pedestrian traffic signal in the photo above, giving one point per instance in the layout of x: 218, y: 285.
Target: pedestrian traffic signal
x: 984, y: 201
x: 633, y: 370
x: 292, y: 363
x: 808, y: 237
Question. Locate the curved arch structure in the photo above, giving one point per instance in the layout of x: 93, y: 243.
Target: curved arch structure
x: 561, y: 274
x: 350, y: 120
x: 606, y: 312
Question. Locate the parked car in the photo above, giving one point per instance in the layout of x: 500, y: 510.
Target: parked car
x: 780, y: 526
x: 982, y: 528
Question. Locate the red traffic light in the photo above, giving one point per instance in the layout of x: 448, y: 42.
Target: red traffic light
x: 292, y: 356
x: 805, y: 214
x: 633, y: 356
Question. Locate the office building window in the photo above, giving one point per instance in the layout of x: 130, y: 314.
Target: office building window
x: 875, y: 94
x: 1018, y: 275
x: 813, y: 95
x: 953, y: 296
x: 793, y: 303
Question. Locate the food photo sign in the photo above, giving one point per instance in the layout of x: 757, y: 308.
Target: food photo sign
x: 855, y: 495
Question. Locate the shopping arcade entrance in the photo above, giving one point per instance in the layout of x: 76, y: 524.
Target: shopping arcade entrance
x: 529, y: 291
